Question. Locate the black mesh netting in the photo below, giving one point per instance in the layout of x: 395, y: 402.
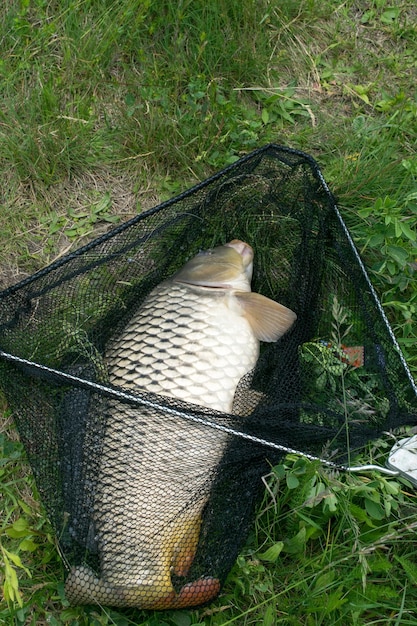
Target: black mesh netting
x: 151, y: 498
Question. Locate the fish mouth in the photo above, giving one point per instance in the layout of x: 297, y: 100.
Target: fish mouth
x: 243, y: 248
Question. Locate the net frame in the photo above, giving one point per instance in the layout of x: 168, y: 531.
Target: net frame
x: 16, y: 304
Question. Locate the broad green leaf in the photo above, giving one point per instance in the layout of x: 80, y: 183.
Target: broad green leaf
x: 407, y: 232
x: 400, y: 255
x: 279, y: 471
x: 18, y: 529
x: 272, y: 553
x: 292, y: 481
x: 390, y: 15
x: 25, y: 507
x: 296, y: 544
x: 392, y: 487
x: 367, y: 16
x: 265, y: 116
x: 379, y: 267
x: 20, y: 524
x: 376, y: 240
x: 374, y: 509
x: 28, y: 545
x: 360, y: 514
x: 286, y: 116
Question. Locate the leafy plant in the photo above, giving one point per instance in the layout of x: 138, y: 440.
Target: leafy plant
x: 335, y: 378
x: 79, y: 223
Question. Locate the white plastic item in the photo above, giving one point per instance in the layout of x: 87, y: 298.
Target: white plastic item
x: 403, y: 458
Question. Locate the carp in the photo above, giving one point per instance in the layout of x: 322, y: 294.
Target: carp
x: 193, y: 339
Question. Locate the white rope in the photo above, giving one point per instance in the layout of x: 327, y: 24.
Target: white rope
x: 123, y: 395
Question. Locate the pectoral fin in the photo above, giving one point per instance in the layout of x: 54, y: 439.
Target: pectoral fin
x: 269, y: 320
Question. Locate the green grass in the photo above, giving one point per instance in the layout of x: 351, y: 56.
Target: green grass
x: 107, y: 107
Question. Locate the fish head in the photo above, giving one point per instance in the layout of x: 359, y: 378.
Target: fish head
x: 224, y: 267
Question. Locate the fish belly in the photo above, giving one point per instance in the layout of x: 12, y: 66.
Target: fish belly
x: 157, y: 469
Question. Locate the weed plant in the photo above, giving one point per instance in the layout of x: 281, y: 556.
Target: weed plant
x: 108, y: 106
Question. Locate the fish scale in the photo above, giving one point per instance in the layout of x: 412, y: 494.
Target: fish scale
x: 199, y: 355
x: 193, y: 339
